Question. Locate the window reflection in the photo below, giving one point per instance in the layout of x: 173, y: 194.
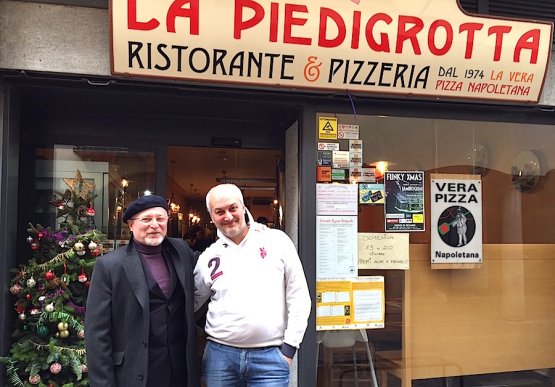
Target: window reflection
x: 119, y: 175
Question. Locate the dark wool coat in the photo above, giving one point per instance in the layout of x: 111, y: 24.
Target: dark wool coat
x: 117, y: 317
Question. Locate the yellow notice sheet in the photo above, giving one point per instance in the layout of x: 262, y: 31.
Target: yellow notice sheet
x: 356, y: 303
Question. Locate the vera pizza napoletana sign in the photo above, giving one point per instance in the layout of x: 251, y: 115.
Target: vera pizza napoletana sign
x: 429, y: 48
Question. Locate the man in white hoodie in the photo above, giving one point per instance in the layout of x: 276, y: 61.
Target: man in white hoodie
x: 259, y: 299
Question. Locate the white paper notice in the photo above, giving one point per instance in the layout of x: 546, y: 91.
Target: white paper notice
x: 337, y: 199
x: 336, y: 247
x: 368, y: 305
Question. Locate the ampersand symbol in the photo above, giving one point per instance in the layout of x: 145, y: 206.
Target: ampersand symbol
x: 312, y: 69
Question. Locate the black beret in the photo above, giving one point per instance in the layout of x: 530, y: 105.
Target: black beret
x: 143, y: 203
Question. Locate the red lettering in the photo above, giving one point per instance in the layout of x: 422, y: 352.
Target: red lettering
x: 383, y: 45
x: 177, y: 10
x: 356, y: 30
x: 404, y: 33
x: 448, y: 38
x: 470, y: 28
x: 323, y: 41
x: 133, y: 23
x: 291, y: 21
x: 528, y: 41
x: 274, y: 15
x: 239, y: 24
x: 498, y: 31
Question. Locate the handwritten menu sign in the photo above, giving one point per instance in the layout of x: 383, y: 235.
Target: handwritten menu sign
x: 383, y: 251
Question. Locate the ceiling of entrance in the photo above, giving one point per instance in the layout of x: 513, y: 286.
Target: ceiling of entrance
x: 192, y: 171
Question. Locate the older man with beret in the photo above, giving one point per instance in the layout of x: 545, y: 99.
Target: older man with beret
x: 139, y: 324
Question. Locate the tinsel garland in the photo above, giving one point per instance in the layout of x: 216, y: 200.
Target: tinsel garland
x: 78, y: 309
x: 78, y: 351
x: 60, y: 258
x: 11, y: 372
x: 60, y: 316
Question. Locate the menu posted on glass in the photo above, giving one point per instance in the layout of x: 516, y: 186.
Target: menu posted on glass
x: 404, y: 201
x: 336, y: 247
x: 357, y: 303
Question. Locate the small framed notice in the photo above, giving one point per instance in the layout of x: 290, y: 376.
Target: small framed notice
x: 357, y: 303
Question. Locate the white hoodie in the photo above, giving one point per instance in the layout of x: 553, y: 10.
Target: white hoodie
x: 257, y: 289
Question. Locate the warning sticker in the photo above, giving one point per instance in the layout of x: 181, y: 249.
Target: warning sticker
x: 327, y: 128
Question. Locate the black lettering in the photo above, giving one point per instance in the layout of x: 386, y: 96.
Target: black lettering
x: 160, y: 48
x: 286, y: 59
x: 218, y: 62
x: 335, y: 65
x: 206, y: 60
x: 134, y: 48
x: 385, y: 67
x: 373, y: 66
x: 359, y: 64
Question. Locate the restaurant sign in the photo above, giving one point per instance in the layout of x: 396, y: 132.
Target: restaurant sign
x: 427, y: 48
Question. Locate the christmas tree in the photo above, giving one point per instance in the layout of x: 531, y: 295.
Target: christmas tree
x: 51, y: 291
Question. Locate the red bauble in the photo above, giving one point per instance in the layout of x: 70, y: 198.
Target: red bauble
x: 55, y: 368
x: 49, y: 276
x: 35, y: 246
x: 82, y: 278
x: 41, y: 235
x: 90, y: 211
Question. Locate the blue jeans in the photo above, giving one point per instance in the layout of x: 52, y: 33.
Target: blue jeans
x: 225, y: 366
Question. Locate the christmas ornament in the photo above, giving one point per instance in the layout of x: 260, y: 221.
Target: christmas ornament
x: 35, y: 246
x: 15, y: 289
x: 55, y: 368
x: 41, y: 235
x: 64, y: 334
x: 92, y: 245
x: 42, y: 298
x: 28, y: 296
x: 82, y: 278
x: 30, y: 239
x: 62, y: 326
x: 31, y: 282
x: 84, y: 368
x: 20, y: 308
x: 70, y: 254
x: 34, y: 379
x: 90, y: 212
x: 81, y: 334
x: 49, y: 275
x: 82, y: 188
x: 81, y: 253
x: 34, y: 311
x: 95, y: 252
x: 78, y: 246
x: 22, y: 316
x: 49, y: 307
x: 42, y: 330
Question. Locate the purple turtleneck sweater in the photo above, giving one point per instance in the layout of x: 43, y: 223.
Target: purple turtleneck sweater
x: 157, y: 265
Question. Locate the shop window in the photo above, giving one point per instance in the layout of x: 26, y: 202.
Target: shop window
x: 488, y: 324
x: 116, y: 176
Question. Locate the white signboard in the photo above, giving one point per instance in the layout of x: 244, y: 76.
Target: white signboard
x: 406, y: 47
x: 456, y: 219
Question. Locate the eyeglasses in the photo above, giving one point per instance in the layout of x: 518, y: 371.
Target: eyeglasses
x: 148, y: 220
